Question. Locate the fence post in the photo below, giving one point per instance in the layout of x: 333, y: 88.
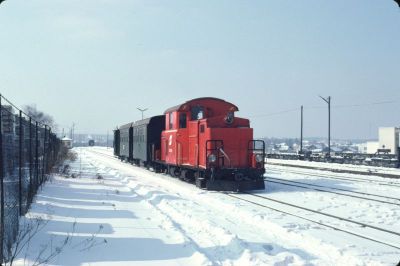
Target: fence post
x: 44, y: 154
x: 1, y: 187
x: 36, y: 158
x: 20, y: 162
x: 30, y: 161
x: 50, y: 151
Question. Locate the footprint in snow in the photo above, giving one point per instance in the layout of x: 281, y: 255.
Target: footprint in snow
x: 268, y: 247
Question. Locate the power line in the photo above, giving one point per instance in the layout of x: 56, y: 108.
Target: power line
x: 324, y: 107
x: 276, y: 113
x: 355, y: 105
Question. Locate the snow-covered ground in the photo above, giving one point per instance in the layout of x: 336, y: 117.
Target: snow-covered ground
x: 118, y: 214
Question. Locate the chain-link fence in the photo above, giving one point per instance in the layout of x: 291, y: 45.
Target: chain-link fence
x: 28, y: 151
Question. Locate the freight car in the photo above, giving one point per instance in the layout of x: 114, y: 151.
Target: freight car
x: 201, y: 141
x: 125, y: 142
x: 146, y: 140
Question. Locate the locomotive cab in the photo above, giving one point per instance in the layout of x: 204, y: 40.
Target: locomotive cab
x: 204, y: 141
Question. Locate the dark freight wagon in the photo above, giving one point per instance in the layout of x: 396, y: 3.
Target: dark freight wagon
x: 126, y: 137
x: 146, y: 139
x: 116, y: 142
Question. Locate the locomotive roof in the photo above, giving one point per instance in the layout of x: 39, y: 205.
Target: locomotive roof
x: 199, y: 100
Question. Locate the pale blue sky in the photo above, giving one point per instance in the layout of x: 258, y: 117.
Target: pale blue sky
x: 93, y: 62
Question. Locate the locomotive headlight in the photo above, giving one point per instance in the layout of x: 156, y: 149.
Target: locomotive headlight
x: 259, y: 158
x: 212, y: 158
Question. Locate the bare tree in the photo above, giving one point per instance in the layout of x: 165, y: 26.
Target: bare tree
x: 51, y: 249
x: 29, y: 229
x: 40, y: 116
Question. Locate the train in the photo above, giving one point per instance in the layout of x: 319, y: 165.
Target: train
x: 199, y: 141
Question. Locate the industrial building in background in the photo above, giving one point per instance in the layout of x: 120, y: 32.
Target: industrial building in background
x: 389, y: 140
x: 387, y: 143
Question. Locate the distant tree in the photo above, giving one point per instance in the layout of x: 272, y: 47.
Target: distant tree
x: 40, y: 116
x: 1, y: 1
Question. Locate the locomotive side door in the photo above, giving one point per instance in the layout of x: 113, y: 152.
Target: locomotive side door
x: 182, y: 142
x: 194, y: 143
x: 169, y: 140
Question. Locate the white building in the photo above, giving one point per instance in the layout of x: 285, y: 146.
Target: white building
x: 66, y: 142
x: 372, y: 147
x: 369, y: 147
x: 389, y: 139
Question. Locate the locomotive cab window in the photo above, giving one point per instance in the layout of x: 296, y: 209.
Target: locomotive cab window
x: 197, y: 113
x: 182, y: 120
x: 171, y: 120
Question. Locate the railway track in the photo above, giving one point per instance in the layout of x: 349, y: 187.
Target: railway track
x: 316, y: 187
x: 379, y: 235
x: 390, y: 174
x: 104, y: 154
x: 339, y: 177
x: 394, y: 184
x: 285, y: 209
x: 319, y: 188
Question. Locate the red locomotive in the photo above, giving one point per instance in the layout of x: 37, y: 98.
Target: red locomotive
x: 204, y: 142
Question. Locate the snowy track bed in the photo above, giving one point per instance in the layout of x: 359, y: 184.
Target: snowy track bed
x: 365, y: 231
x: 335, y: 190
x: 336, y: 167
x: 153, y: 219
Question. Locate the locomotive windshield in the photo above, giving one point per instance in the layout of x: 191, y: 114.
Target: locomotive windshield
x: 197, y: 112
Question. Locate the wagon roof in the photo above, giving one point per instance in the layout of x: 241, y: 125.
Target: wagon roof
x: 180, y: 106
x: 126, y: 125
x: 147, y: 120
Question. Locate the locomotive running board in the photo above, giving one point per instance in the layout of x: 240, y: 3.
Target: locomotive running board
x: 225, y: 185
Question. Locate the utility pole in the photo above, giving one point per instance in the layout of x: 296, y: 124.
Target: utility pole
x: 142, y: 110
x: 73, y: 132
x: 301, y: 131
x: 328, y: 101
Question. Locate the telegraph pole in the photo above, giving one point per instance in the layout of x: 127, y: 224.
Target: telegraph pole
x: 328, y: 101
x: 142, y: 110
x: 73, y: 132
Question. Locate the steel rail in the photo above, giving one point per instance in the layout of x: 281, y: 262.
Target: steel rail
x: 320, y: 223
x: 307, y: 219
x: 309, y: 186
x: 391, y: 184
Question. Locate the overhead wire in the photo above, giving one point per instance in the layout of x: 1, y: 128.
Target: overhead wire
x: 324, y: 107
